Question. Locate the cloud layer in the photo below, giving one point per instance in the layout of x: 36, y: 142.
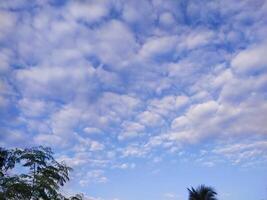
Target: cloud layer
x: 104, y: 82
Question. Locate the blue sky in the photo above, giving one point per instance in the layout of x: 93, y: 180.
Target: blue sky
x: 142, y: 98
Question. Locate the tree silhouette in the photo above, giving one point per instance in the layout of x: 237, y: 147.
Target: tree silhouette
x: 43, y: 178
x: 202, y: 193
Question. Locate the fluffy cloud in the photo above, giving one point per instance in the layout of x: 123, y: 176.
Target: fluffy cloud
x: 196, y: 39
x: 148, y: 119
x: 167, y: 19
x: 7, y: 23
x: 115, y: 43
x: 131, y: 129
x: 126, y: 166
x: 94, y: 176
x: 251, y: 60
x: 104, y: 82
x: 168, y: 104
x: 34, y: 107
x: 244, y: 153
x: 158, y: 46
x: 48, y: 81
x: 92, y: 130
x: 89, y: 11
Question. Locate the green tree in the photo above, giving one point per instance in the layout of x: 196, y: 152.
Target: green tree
x: 202, y: 193
x: 41, y: 178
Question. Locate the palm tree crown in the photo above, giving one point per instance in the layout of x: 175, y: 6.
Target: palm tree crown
x: 202, y: 193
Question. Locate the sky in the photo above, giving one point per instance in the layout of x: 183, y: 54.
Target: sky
x: 143, y: 98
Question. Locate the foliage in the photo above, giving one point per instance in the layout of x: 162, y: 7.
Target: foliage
x: 202, y: 193
x: 43, y: 178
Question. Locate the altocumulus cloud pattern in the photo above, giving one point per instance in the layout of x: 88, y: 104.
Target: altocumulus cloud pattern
x: 136, y: 95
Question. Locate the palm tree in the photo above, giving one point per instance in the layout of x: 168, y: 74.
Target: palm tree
x: 202, y: 193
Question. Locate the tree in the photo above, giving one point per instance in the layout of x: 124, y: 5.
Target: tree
x: 202, y: 193
x: 43, y: 178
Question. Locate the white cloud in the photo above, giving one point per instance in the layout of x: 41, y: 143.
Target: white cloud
x: 3, y: 102
x: 244, y: 121
x: 157, y: 46
x: 195, y: 39
x: 107, y: 81
x: 170, y: 196
x: 63, y: 121
x: 116, y: 107
x: 208, y: 164
x: 233, y: 148
x: 89, y: 144
x: 203, y: 111
x: 243, y: 153
x: 211, y: 119
x: 7, y: 23
x: 167, y: 19
x: 6, y: 92
x: 131, y: 130
x: 181, y: 70
x: 251, y: 59
x: 150, y: 119
x: 96, y: 146
x: 114, y: 43
x: 51, y: 81
x: 95, y: 176
x: 34, y: 107
x: 133, y: 151
x: 14, y: 138
x: 126, y: 166
x: 155, y: 141
x: 81, y: 158
x: 88, y: 11
x: 180, y: 123
x: 92, y: 130
x: 139, y: 14
x: 49, y: 140
x: 167, y: 104
x: 222, y: 78
x: 5, y: 58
